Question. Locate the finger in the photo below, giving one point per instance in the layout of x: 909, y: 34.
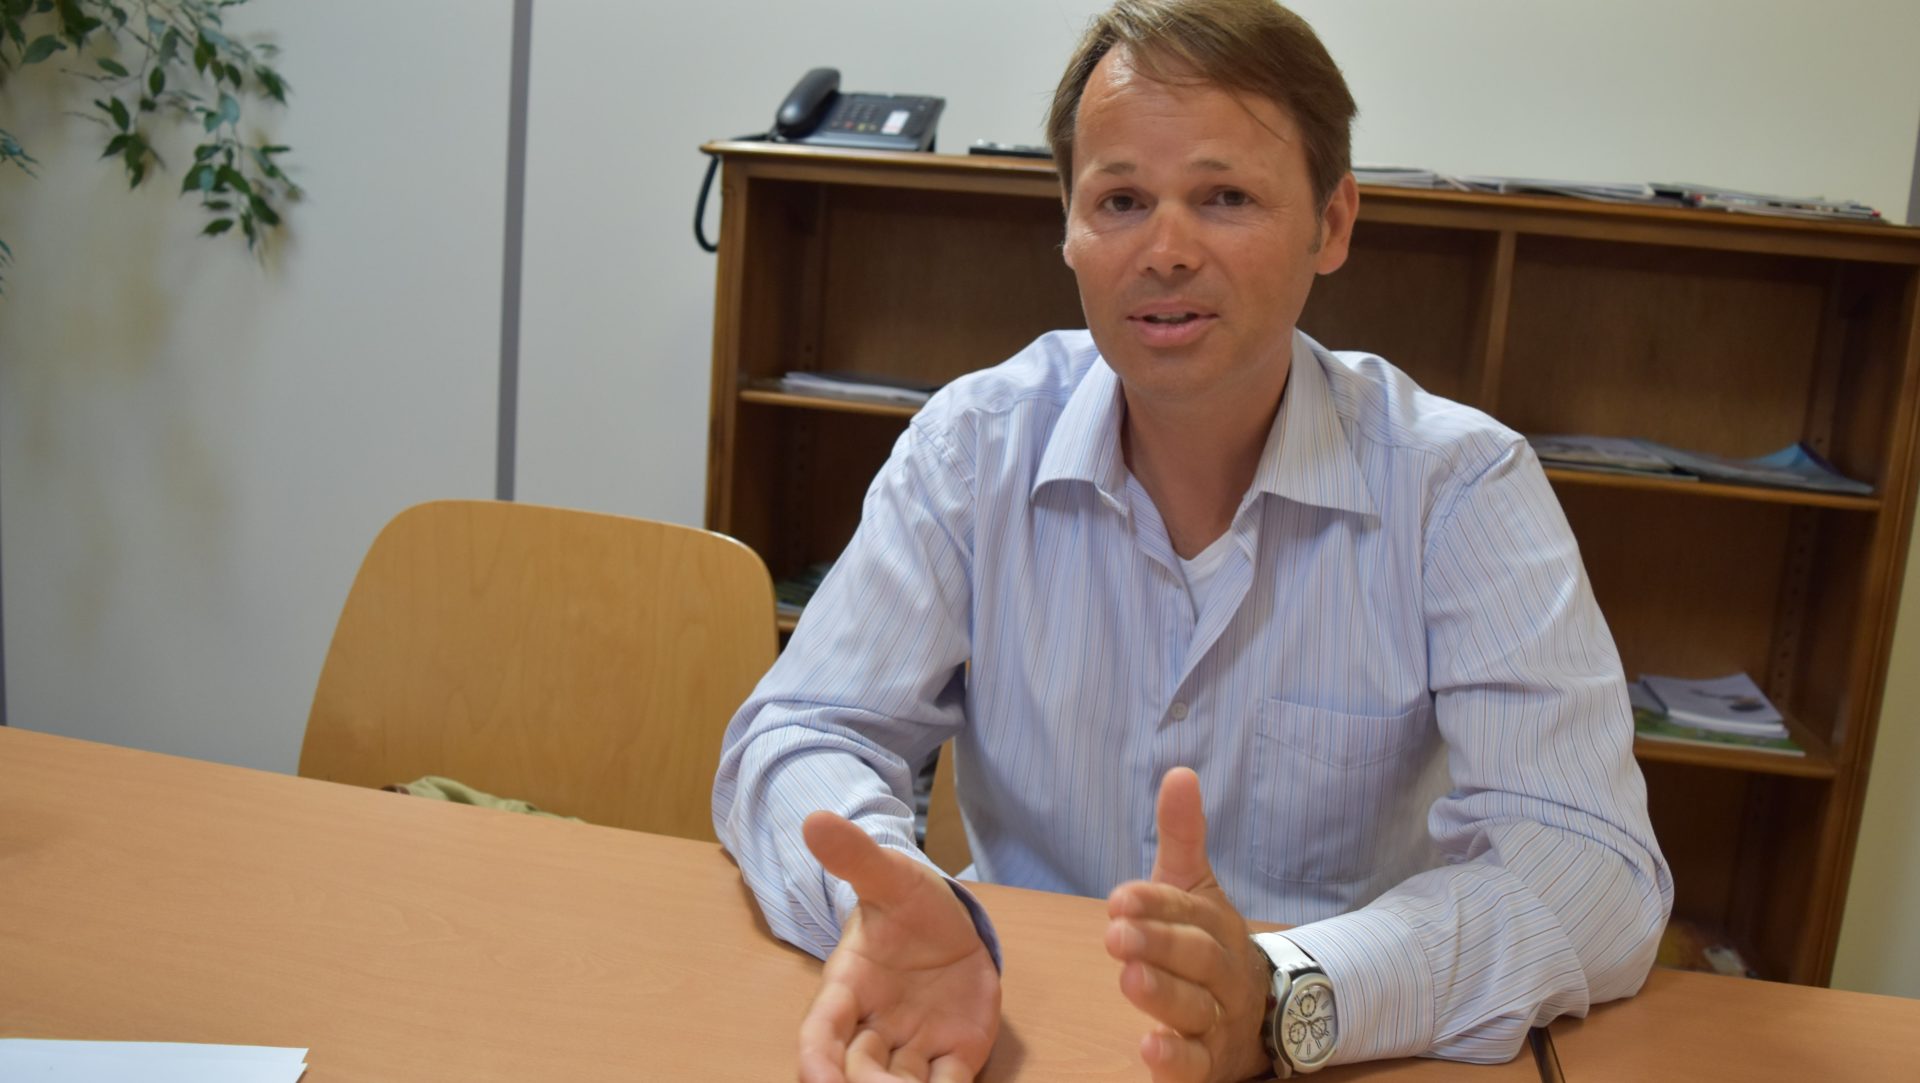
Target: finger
x: 818, y: 1067
x: 1174, y: 1002
x: 1185, y: 951
x: 824, y: 1033
x: 908, y: 1063
x: 867, y: 1057
x: 1181, y: 859
x: 1143, y: 900
x: 851, y: 854
x: 950, y: 1069
x: 1171, y: 1058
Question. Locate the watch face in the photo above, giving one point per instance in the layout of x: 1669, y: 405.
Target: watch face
x: 1308, y: 1026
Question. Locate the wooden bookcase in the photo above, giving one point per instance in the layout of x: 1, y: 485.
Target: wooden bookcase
x: 1721, y: 333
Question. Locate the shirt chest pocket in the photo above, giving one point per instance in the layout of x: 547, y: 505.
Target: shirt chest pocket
x: 1336, y: 794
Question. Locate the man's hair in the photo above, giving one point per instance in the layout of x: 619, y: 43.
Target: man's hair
x: 1250, y: 46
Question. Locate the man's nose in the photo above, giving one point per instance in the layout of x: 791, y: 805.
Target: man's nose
x: 1172, y: 242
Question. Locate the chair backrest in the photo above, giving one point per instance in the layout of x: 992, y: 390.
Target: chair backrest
x: 586, y: 663
x: 946, y: 829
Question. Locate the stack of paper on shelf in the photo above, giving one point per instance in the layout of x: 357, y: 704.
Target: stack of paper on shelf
x: 1728, y: 712
x: 859, y: 387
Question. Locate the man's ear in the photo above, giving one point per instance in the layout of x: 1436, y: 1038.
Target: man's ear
x: 1336, y: 226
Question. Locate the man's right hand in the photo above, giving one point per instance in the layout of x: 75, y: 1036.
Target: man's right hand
x: 911, y: 992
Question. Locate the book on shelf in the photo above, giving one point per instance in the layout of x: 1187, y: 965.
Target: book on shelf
x: 791, y: 595
x: 859, y: 387
x: 1704, y: 197
x: 1720, y: 712
x: 1795, y: 466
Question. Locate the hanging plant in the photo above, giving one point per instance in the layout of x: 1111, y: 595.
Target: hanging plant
x: 157, y: 62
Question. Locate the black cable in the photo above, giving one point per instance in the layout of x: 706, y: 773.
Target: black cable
x: 700, y: 208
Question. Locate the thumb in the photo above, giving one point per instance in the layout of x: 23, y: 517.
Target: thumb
x: 1182, y: 857
x: 848, y: 852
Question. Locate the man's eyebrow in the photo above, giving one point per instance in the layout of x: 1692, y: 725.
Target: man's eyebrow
x: 1126, y: 169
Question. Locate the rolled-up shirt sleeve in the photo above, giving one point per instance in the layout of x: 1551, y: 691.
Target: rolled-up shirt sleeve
x: 1554, y: 891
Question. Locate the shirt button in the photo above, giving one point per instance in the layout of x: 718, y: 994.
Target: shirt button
x: 1179, y: 711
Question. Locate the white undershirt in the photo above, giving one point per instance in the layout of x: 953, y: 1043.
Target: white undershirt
x: 1203, y: 568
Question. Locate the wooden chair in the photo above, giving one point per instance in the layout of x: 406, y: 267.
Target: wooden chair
x: 946, y: 830
x: 586, y: 663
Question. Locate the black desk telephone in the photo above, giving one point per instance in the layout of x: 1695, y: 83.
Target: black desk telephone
x: 817, y: 114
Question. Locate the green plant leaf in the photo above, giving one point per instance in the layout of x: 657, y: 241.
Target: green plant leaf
x: 115, y: 145
x: 204, y: 151
x: 229, y: 109
x: 202, y: 54
x: 233, y: 75
x: 43, y: 47
x: 169, y: 45
x: 271, y: 82
x: 230, y: 177
x: 217, y: 205
x: 200, y: 176
x: 216, y: 227
x: 211, y: 119
x: 263, y: 211
x: 120, y: 115
x: 112, y: 67
x: 157, y: 82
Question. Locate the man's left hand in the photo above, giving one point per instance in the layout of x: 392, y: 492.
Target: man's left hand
x: 1189, y: 963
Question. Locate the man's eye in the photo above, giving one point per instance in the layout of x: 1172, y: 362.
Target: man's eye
x: 1118, y: 202
x: 1231, y: 197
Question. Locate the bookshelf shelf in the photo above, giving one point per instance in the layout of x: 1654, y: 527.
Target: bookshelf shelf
x: 1796, y: 497
x: 1816, y: 764
x: 1718, y: 333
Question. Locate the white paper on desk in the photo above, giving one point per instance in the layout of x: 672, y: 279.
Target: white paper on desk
x: 30, y: 1060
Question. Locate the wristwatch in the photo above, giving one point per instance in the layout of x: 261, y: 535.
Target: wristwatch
x: 1303, y: 1027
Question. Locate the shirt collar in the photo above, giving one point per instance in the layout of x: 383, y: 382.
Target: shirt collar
x: 1306, y: 457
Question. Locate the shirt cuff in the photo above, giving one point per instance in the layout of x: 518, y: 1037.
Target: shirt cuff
x: 845, y: 899
x: 1382, y: 985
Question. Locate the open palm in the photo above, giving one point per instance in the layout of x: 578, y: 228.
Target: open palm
x: 911, y: 992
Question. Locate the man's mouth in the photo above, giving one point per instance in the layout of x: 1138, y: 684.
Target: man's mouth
x: 1172, y: 317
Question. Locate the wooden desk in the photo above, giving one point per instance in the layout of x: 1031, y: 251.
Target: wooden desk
x: 153, y: 898
x: 1704, y: 1028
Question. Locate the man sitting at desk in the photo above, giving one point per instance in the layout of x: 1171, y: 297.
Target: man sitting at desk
x: 1191, y: 537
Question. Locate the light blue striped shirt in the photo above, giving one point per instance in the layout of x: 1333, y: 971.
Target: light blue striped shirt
x: 1403, y: 628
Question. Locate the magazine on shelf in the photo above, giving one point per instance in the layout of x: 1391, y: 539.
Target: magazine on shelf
x: 1795, y: 466
x: 860, y: 387
x: 1653, y: 722
x: 1653, y: 726
x: 1730, y: 704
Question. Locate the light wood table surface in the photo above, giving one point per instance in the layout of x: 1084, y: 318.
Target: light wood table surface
x: 145, y: 897
x: 1705, y: 1028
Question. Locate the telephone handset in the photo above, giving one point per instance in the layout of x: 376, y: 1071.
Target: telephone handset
x: 816, y: 113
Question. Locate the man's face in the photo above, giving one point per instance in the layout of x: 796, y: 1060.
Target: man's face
x: 1193, y: 234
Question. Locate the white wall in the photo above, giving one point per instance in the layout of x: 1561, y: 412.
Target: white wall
x: 195, y: 453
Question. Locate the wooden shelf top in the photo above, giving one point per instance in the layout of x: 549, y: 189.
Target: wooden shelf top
x: 1817, y: 763
x: 1540, y: 214
x: 1763, y: 494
